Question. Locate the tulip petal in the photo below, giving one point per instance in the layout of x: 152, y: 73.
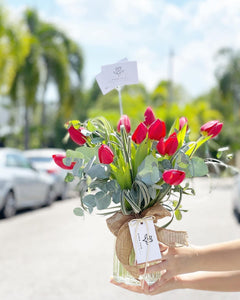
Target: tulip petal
x: 105, y: 155
x: 157, y: 130
x: 173, y: 177
x: 58, y: 159
x: 76, y: 135
x: 140, y: 133
x: 149, y: 116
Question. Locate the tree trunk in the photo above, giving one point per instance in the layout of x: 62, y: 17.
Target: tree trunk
x: 43, y: 115
x: 26, y: 127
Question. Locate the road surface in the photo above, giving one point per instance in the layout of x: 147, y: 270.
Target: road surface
x: 51, y: 254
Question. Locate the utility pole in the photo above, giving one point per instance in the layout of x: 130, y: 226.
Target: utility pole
x: 170, y: 76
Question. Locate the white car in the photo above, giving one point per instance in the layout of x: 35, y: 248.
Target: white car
x: 236, y: 198
x: 22, y: 186
x: 42, y: 160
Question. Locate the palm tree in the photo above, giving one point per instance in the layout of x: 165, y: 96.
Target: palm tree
x: 228, y: 76
x: 54, y: 59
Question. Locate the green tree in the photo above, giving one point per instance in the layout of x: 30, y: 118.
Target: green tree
x: 55, y: 60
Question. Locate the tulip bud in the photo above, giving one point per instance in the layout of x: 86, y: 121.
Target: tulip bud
x: 124, y: 120
x: 76, y: 135
x: 140, y: 133
x: 157, y: 130
x: 169, y: 146
x: 173, y: 177
x: 211, y: 128
x: 149, y: 116
x: 182, y: 122
x: 58, y: 159
x: 105, y: 155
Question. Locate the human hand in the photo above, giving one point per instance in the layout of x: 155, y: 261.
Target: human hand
x: 158, y: 287
x: 175, y: 261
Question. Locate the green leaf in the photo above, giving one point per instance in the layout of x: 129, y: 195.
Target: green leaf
x: 182, y: 160
x: 69, y: 177
x: 78, y: 211
x: 175, y: 127
x: 141, y: 153
x: 178, y: 214
x: 148, y: 171
x: 90, y: 126
x: 99, y: 171
x: 193, y: 146
x: 181, y: 136
x: 89, y: 200
x: 103, y: 200
x: 85, y: 153
x: 197, y: 167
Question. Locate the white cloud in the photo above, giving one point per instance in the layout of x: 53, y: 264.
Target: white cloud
x: 145, y: 30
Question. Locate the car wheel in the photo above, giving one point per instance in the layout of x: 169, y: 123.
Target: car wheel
x: 50, y: 197
x: 237, y: 214
x: 10, y: 206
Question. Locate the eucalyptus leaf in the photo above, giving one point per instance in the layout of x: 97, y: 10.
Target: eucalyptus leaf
x: 84, y: 153
x: 197, y: 167
x: 99, y: 171
x: 67, y: 161
x: 89, y: 200
x: 77, y: 169
x: 78, y: 211
x: 103, y: 200
x: 148, y: 171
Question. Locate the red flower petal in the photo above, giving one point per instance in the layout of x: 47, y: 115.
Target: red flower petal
x: 58, y: 159
x: 140, y: 133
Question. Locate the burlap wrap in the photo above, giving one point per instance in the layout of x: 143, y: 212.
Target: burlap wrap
x: 118, y: 225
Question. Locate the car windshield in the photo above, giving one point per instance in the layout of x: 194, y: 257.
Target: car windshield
x: 40, y: 159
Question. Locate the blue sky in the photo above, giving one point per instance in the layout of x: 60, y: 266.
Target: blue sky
x: 145, y: 31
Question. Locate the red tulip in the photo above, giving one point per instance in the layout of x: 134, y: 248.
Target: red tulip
x: 169, y: 146
x: 58, y: 159
x: 76, y: 135
x: 105, y: 155
x: 182, y: 122
x: 149, y: 116
x: 124, y: 120
x: 157, y: 130
x: 173, y: 177
x: 211, y: 128
x: 140, y: 133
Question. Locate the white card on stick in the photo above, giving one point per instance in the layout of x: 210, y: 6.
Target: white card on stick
x: 144, y: 240
x: 116, y: 75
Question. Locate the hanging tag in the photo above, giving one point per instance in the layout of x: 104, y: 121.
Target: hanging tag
x: 116, y: 75
x: 144, y: 239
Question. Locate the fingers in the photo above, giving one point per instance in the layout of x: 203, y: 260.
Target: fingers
x: 163, y: 247
x: 162, y: 285
x: 143, y: 289
x: 155, y: 268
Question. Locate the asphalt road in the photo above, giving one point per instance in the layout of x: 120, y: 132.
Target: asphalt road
x: 51, y: 254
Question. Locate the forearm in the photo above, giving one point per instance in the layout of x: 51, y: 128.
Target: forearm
x: 219, y: 257
x: 211, y: 281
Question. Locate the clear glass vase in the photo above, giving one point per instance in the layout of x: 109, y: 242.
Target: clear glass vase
x: 120, y: 274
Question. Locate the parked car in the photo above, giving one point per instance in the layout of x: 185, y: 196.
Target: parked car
x: 236, y: 198
x: 42, y: 160
x: 21, y: 185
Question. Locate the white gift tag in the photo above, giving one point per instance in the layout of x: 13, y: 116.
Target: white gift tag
x: 144, y: 240
x: 122, y: 73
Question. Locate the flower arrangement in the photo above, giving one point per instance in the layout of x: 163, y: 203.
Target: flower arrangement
x: 132, y: 176
x: 120, y: 171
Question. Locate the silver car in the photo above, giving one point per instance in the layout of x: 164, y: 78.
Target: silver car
x: 236, y: 198
x: 22, y: 186
x: 42, y: 160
